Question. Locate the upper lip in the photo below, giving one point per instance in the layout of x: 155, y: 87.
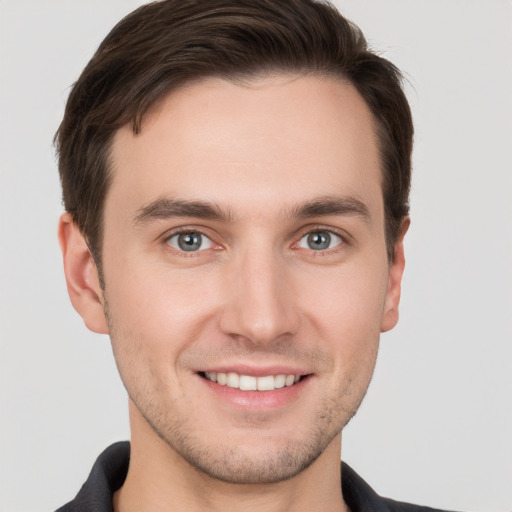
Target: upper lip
x: 257, y: 371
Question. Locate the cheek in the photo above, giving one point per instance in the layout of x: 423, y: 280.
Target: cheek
x: 348, y: 300
x: 158, y: 302
x: 344, y: 309
x: 155, y: 316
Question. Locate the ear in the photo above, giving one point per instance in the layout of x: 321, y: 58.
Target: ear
x: 81, y: 276
x: 396, y: 271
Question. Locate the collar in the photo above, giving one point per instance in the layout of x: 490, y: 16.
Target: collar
x: 110, y: 469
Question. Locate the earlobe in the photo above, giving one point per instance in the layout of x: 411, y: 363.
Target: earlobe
x: 396, y: 271
x: 81, y: 276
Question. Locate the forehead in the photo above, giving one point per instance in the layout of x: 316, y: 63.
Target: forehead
x: 260, y: 143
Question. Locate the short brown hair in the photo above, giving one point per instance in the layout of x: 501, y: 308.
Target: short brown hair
x: 163, y: 45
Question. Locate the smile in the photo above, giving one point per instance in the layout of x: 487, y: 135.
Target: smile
x: 251, y: 383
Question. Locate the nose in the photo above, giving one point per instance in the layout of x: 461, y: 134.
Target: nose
x: 260, y: 301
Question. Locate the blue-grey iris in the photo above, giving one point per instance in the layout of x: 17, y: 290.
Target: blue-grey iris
x: 189, y: 241
x: 319, y: 240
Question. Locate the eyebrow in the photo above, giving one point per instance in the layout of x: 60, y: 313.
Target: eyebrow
x: 165, y: 208
x: 331, y: 205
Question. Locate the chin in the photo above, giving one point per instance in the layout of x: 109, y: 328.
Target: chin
x: 238, y: 466
x: 251, y: 457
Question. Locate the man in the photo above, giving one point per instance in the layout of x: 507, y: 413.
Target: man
x: 236, y: 176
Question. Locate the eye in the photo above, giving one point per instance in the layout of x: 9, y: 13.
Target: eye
x: 320, y: 240
x: 190, y: 241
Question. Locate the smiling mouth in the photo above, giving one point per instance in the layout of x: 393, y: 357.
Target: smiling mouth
x: 251, y: 383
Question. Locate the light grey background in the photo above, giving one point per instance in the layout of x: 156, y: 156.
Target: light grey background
x: 436, y: 425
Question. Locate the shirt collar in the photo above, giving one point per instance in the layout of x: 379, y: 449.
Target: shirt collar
x: 110, y: 469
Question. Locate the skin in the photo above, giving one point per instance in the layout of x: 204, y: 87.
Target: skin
x: 256, y: 294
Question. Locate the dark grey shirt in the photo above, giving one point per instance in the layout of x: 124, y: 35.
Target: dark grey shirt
x: 111, y: 467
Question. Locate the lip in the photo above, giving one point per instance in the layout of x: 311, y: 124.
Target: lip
x: 257, y: 401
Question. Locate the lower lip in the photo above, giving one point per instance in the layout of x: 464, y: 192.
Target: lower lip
x: 257, y: 400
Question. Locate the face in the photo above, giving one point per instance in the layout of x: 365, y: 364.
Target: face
x: 246, y: 278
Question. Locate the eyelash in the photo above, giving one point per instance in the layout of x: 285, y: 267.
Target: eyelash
x: 186, y: 230
x: 344, y: 241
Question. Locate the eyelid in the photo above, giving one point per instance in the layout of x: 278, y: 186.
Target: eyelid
x: 346, y: 238
x: 205, y: 241
x: 184, y: 229
x: 188, y: 229
x: 312, y: 228
x: 337, y: 238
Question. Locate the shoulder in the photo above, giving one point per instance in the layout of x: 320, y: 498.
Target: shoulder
x: 398, y: 506
x: 106, y: 477
x: 360, y: 497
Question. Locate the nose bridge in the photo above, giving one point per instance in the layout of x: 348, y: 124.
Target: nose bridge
x: 261, y: 306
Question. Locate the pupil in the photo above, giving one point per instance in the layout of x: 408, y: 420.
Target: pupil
x: 319, y: 240
x: 189, y: 241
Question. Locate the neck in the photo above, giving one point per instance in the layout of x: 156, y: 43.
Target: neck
x: 160, y: 479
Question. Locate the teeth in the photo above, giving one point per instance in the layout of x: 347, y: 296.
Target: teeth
x: 250, y: 383
x: 233, y: 380
x: 212, y: 376
x: 266, y: 383
x: 290, y: 379
x: 279, y: 381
